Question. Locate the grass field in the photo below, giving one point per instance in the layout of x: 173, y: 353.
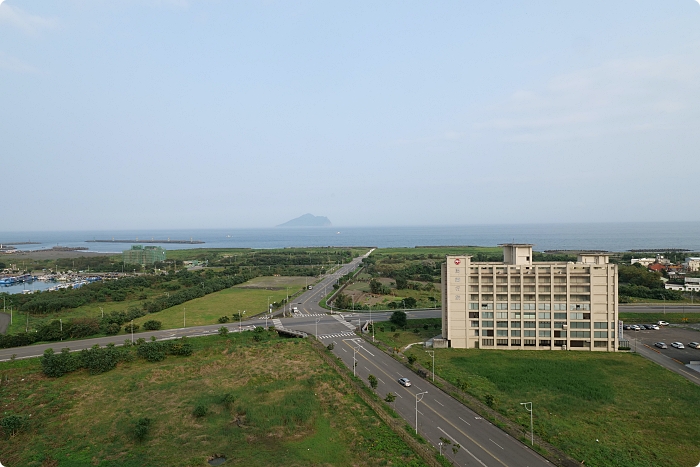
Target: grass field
x: 603, y: 409
x: 415, y: 332
x: 208, y: 309
x: 289, y: 408
x: 654, y: 317
x: 294, y: 283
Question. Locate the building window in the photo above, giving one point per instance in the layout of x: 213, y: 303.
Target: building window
x: 576, y: 315
x: 559, y: 324
x: 501, y: 341
x: 559, y: 333
x: 529, y: 333
x: 515, y: 324
x: 559, y: 315
x: 514, y: 333
x: 600, y: 334
x: 580, y: 334
x: 529, y: 324
x: 560, y: 306
x: 487, y: 342
x: 515, y: 306
x: 580, y: 325
x: 474, y: 314
x: 599, y: 325
x: 515, y: 315
x: 501, y: 306
x: 543, y: 306
x: 576, y: 344
x: 473, y: 306
x: 530, y: 342
x: 501, y: 324
x: 487, y: 306
x: 545, y: 324
x: 487, y: 314
x: 474, y: 324
x: 500, y: 333
x: 545, y: 343
x: 474, y: 297
x: 600, y: 344
x: 487, y: 332
x: 545, y: 333
x: 560, y: 343
x: 515, y: 342
x: 487, y: 324
x: 584, y: 306
x: 502, y: 314
x: 544, y: 315
x: 529, y: 306
x: 476, y: 333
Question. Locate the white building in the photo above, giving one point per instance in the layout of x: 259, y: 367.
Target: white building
x: 643, y: 261
x: 692, y: 264
x: 519, y: 304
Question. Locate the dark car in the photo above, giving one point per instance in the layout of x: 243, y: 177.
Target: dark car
x: 648, y: 326
x: 661, y: 345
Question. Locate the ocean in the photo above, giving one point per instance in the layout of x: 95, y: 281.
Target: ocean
x: 603, y: 236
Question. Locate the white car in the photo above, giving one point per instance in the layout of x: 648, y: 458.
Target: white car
x: 655, y: 327
x: 662, y: 323
x: 678, y: 345
x: 404, y: 382
x: 694, y: 345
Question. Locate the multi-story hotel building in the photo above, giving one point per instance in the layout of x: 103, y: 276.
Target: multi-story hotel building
x: 521, y: 304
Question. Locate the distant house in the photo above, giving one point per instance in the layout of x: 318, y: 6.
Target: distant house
x: 656, y: 267
x: 643, y: 261
x: 692, y: 264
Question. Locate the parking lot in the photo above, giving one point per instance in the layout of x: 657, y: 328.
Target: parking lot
x: 668, y: 334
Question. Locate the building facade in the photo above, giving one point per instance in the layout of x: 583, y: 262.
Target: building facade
x: 138, y: 254
x: 520, y: 304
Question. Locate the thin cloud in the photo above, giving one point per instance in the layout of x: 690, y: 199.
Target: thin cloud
x: 20, y: 19
x: 10, y: 63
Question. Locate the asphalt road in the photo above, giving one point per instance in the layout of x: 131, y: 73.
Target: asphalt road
x: 659, y: 308
x: 673, y: 359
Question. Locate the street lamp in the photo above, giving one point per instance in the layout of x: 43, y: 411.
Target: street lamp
x: 184, y: 316
x: 132, y: 332
x: 354, y: 360
x: 61, y: 322
x: 432, y: 354
x: 103, y: 312
x: 240, y: 319
x: 421, y: 394
x: 440, y: 444
x: 528, y: 407
x: 317, y: 320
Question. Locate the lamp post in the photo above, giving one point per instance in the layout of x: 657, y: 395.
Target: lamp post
x: 421, y: 394
x: 528, y: 407
x: 103, y: 312
x: 370, y: 321
x: 432, y: 354
x: 440, y: 444
x: 132, y: 332
x: 664, y: 297
x: 354, y: 360
x: 184, y: 317
x: 61, y: 322
x: 317, y: 320
x: 240, y: 319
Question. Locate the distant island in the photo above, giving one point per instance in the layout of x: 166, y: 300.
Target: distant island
x: 308, y: 220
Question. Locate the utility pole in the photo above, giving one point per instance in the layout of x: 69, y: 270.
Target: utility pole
x: 528, y: 407
x: 421, y: 394
x: 432, y: 353
x: 184, y: 317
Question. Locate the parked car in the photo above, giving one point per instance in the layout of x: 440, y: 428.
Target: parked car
x: 635, y: 327
x: 678, y: 345
x: 626, y: 327
x: 694, y: 345
x: 661, y: 345
x: 655, y: 327
x: 404, y: 382
x: 662, y: 323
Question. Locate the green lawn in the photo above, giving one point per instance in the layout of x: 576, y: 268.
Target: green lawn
x: 289, y: 408
x: 604, y: 409
x: 399, y: 338
x: 208, y: 309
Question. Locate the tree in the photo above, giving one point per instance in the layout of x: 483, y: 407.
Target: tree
x: 411, y: 359
x: 12, y: 424
x: 401, y: 283
x: 141, y: 428
x: 152, y: 325
x: 390, y: 397
x: 372, y: 381
x: 398, y: 318
x: 223, y: 331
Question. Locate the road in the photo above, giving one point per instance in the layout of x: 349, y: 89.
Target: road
x: 659, y: 308
x: 672, y: 359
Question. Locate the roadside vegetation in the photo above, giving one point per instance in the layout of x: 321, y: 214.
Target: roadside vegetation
x: 252, y: 397
x: 600, y: 408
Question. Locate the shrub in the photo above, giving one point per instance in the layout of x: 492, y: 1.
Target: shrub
x: 411, y: 359
x: 128, y: 328
x: 224, y: 319
x: 82, y: 327
x: 490, y: 400
x: 398, y: 318
x: 152, y: 325
x: 228, y: 400
x: 141, y: 428
x: 331, y: 346
x: 55, y: 365
x: 372, y: 381
x: 12, y: 424
x: 223, y: 331
x: 112, y: 329
x: 181, y: 347
x: 152, y: 351
x: 199, y: 411
x: 390, y: 397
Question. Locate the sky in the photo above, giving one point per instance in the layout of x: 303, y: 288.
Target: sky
x: 160, y: 114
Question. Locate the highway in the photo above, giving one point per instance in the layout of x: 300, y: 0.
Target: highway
x: 659, y: 308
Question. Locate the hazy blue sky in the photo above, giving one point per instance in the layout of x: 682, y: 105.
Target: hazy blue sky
x: 185, y: 114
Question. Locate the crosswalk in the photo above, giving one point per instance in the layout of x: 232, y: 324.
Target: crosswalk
x: 341, y: 334
x: 304, y: 315
x: 277, y: 323
x: 343, y: 322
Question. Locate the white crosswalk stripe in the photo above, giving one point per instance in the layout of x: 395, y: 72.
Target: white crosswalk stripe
x: 345, y: 323
x: 304, y: 315
x: 342, y: 334
x: 277, y: 323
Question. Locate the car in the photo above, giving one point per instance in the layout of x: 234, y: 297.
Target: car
x: 661, y: 345
x: 404, y: 382
x: 626, y: 327
x: 649, y: 326
x: 695, y: 345
x: 655, y: 327
x: 635, y: 327
x: 678, y: 345
x: 662, y: 323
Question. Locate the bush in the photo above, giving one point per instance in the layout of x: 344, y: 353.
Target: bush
x: 223, y: 331
x: 228, y: 400
x: 181, y: 347
x: 398, y: 318
x: 199, y: 411
x: 372, y: 381
x: 331, y: 346
x: 141, y: 428
x: 152, y: 351
x: 112, y: 329
x: 224, y: 319
x: 411, y: 359
x: 82, y: 327
x: 490, y: 400
x: 152, y: 325
x: 12, y: 424
x: 128, y: 328
x: 99, y: 360
x: 55, y: 365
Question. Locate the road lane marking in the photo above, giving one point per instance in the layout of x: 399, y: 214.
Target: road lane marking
x: 467, y: 450
x: 439, y: 402
x: 449, y: 422
x: 496, y: 443
x: 465, y: 421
